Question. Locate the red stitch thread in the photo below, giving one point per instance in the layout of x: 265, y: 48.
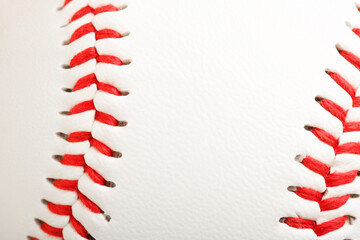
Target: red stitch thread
x: 74, y: 160
x: 82, y: 107
x: 79, y: 228
x: 96, y: 177
x: 334, y: 179
x: 60, y: 209
x: 316, y: 166
x: 86, y: 10
x: 330, y: 226
x: 89, y: 28
x: 68, y: 185
x: 324, y: 136
x: 333, y: 203
x: 300, y: 223
x: 89, y: 204
x: 337, y: 179
x: 91, y: 79
x: 91, y: 53
x: 350, y: 147
x: 53, y: 231
x: 309, y: 194
x: 101, y: 147
x: 80, y: 136
x: 333, y: 108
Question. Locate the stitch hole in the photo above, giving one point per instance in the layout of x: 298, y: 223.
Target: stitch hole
x: 357, y: 6
x: 30, y: 238
x: 328, y: 71
x: 282, y: 220
x: 38, y: 221
x: 67, y: 89
x: 65, y: 66
x: 122, y: 7
x: 308, y: 127
x: 125, y: 34
x: 57, y: 157
x: 59, y: 8
x: 44, y: 201
x: 65, y: 113
x: 62, y: 135
x: 89, y: 237
x: 358, y: 174
x: 126, y: 61
x: 351, y: 219
x: 354, y: 195
x: 110, y: 184
x: 65, y: 43
x: 116, y: 154
x: 122, y: 123
x: 318, y: 98
x: 349, y: 25
x: 338, y: 47
x: 124, y: 93
x: 65, y: 25
x: 299, y: 158
x: 292, y: 189
x: 51, y: 180
x: 107, y: 217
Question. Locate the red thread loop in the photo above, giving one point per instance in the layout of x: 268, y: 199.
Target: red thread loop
x: 350, y: 147
x: 73, y: 160
x: 79, y: 136
x: 343, y: 83
x: 333, y: 108
x: 82, y: 107
x: 60, y: 209
x: 309, y: 194
x: 324, y: 136
x: 330, y: 226
x: 85, y: 82
x: 89, y: 204
x: 86, y: 10
x: 96, y: 177
x: 91, y: 53
x: 107, y: 33
x: 351, y: 58
x: 333, y: 203
x: 351, y: 126
x: 337, y: 179
x: 316, y: 166
x: 82, y: 12
x: 81, y: 31
x: 101, y: 147
x: 299, y: 223
x: 53, y: 231
x: 68, y: 185
x: 106, y: 118
x: 79, y: 228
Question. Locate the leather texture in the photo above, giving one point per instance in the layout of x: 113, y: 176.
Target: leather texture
x: 219, y: 94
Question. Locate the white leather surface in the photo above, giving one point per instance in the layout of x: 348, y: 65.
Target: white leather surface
x: 219, y: 94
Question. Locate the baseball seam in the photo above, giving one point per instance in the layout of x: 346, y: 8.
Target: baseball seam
x: 79, y: 160
x: 331, y: 178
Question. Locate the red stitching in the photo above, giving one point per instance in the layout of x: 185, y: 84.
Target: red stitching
x: 57, y: 232
x: 332, y: 179
x: 86, y: 10
x: 60, y: 209
x: 81, y: 136
x: 91, y: 79
x: 79, y: 228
